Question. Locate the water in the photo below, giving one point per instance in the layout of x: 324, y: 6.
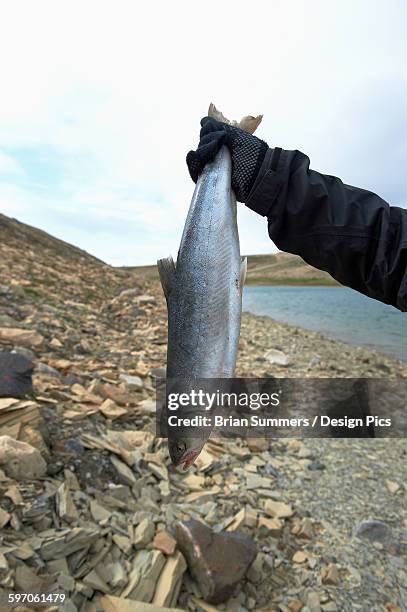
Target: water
x: 338, y: 312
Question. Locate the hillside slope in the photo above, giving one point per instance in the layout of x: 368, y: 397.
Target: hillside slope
x: 85, y: 519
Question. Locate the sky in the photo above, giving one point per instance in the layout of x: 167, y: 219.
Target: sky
x: 100, y: 102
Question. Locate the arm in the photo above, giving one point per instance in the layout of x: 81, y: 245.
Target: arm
x: 350, y: 233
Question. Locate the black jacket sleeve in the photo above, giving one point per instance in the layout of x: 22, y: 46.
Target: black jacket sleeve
x: 350, y: 233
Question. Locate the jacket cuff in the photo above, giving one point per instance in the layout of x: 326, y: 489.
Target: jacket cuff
x: 268, y: 183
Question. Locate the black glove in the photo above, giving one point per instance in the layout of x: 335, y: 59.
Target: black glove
x: 247, y: 152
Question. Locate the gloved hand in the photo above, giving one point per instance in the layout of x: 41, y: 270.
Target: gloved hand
x: 247, y: 153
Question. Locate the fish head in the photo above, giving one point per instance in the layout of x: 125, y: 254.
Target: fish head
x: 185, y: 450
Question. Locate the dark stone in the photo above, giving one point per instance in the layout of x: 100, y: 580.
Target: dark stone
x: 271, y: 471
x: 374, y: 531
x: 217, y: 561
x: 316, y: 466
x: 15, y: 375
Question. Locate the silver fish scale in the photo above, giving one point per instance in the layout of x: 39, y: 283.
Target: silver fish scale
x: 204, y: 300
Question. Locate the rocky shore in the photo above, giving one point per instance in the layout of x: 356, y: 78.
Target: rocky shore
x: 307, y: 354
x: 90, y: 507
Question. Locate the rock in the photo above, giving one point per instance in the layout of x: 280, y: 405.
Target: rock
x: 110, y: 603
x: 26, y: 337
x: 278, y: 509
x: 306, y: 529
x: 255, y: 572
x: 303, y: 529
x: 374, y: 531
x: 143, y: 300
x: 116, y: 574
x: 99, y: 513
x: 165, y: 542
x: 131, y: 382
x: 300, y: 556
x: 122, y: 542
x: 238, y: 520
x: 270, y: 526
x: 255, y: 481
x: 147, y: 565
x: 20, y: 460
x: 331, y: 576
x: 217, y: 561
x: 26, y: 352
x: 330, y: 606
x: 316, y: 466
x: 304, y: 453
x: 295, y: 605
x: 58, y: 544
x: 277, y: 357
x: 111, y: 410
x: 15, y: 375
x: 144, y: 533
x: 65, y: 504
x: 4, y: 518
x: 314, y: 362
x: 66, y: 582
x: 27, y: 581
x: 313, y: 602
x: 392, y: 486
x: 43, y: 368
x: 125, y: 473
x: 158, y: 372
x: 169, y: 583
x: 94, y: 581
x: 257, y: 445
x: 147, y: 406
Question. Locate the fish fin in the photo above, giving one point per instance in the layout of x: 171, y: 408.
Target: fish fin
x: 243, y: 271
x: 166, y: 270
x: 248, y: 123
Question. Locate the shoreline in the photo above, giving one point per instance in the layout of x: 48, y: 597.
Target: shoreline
x: 300, y: 282
x: 325, y: 336
x: 309, y: 353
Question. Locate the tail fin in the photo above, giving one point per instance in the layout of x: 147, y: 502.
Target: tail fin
x: 166, y: 270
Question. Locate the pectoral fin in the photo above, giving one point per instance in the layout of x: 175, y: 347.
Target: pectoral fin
x: 243, y: 271
x: 166, y: 270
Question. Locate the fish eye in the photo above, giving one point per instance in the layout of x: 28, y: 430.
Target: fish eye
x: 181, y: 447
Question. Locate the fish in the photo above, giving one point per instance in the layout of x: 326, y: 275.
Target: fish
x: 203, y: 290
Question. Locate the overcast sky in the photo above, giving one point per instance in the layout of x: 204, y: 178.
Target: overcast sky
x: 100, y: 102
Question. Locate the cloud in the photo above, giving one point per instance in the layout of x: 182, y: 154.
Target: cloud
x: 101, y: 101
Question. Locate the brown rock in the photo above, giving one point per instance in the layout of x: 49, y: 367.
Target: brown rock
x: 20, y: 460
x: 169, y: 583
x: 110, y: 603
x: 4, y: 518
x: 257, y: 445
x: 165, y: 542
x: 331, y: 575
x: 300, y: 556
x: 271, y: 526
x: 217, y: 561
x: 278, y: 509
x: 25, y: 337
x: 295, y: 605
x: 111, y: 410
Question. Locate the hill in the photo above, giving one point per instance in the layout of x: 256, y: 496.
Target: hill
x: 270, y: 269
